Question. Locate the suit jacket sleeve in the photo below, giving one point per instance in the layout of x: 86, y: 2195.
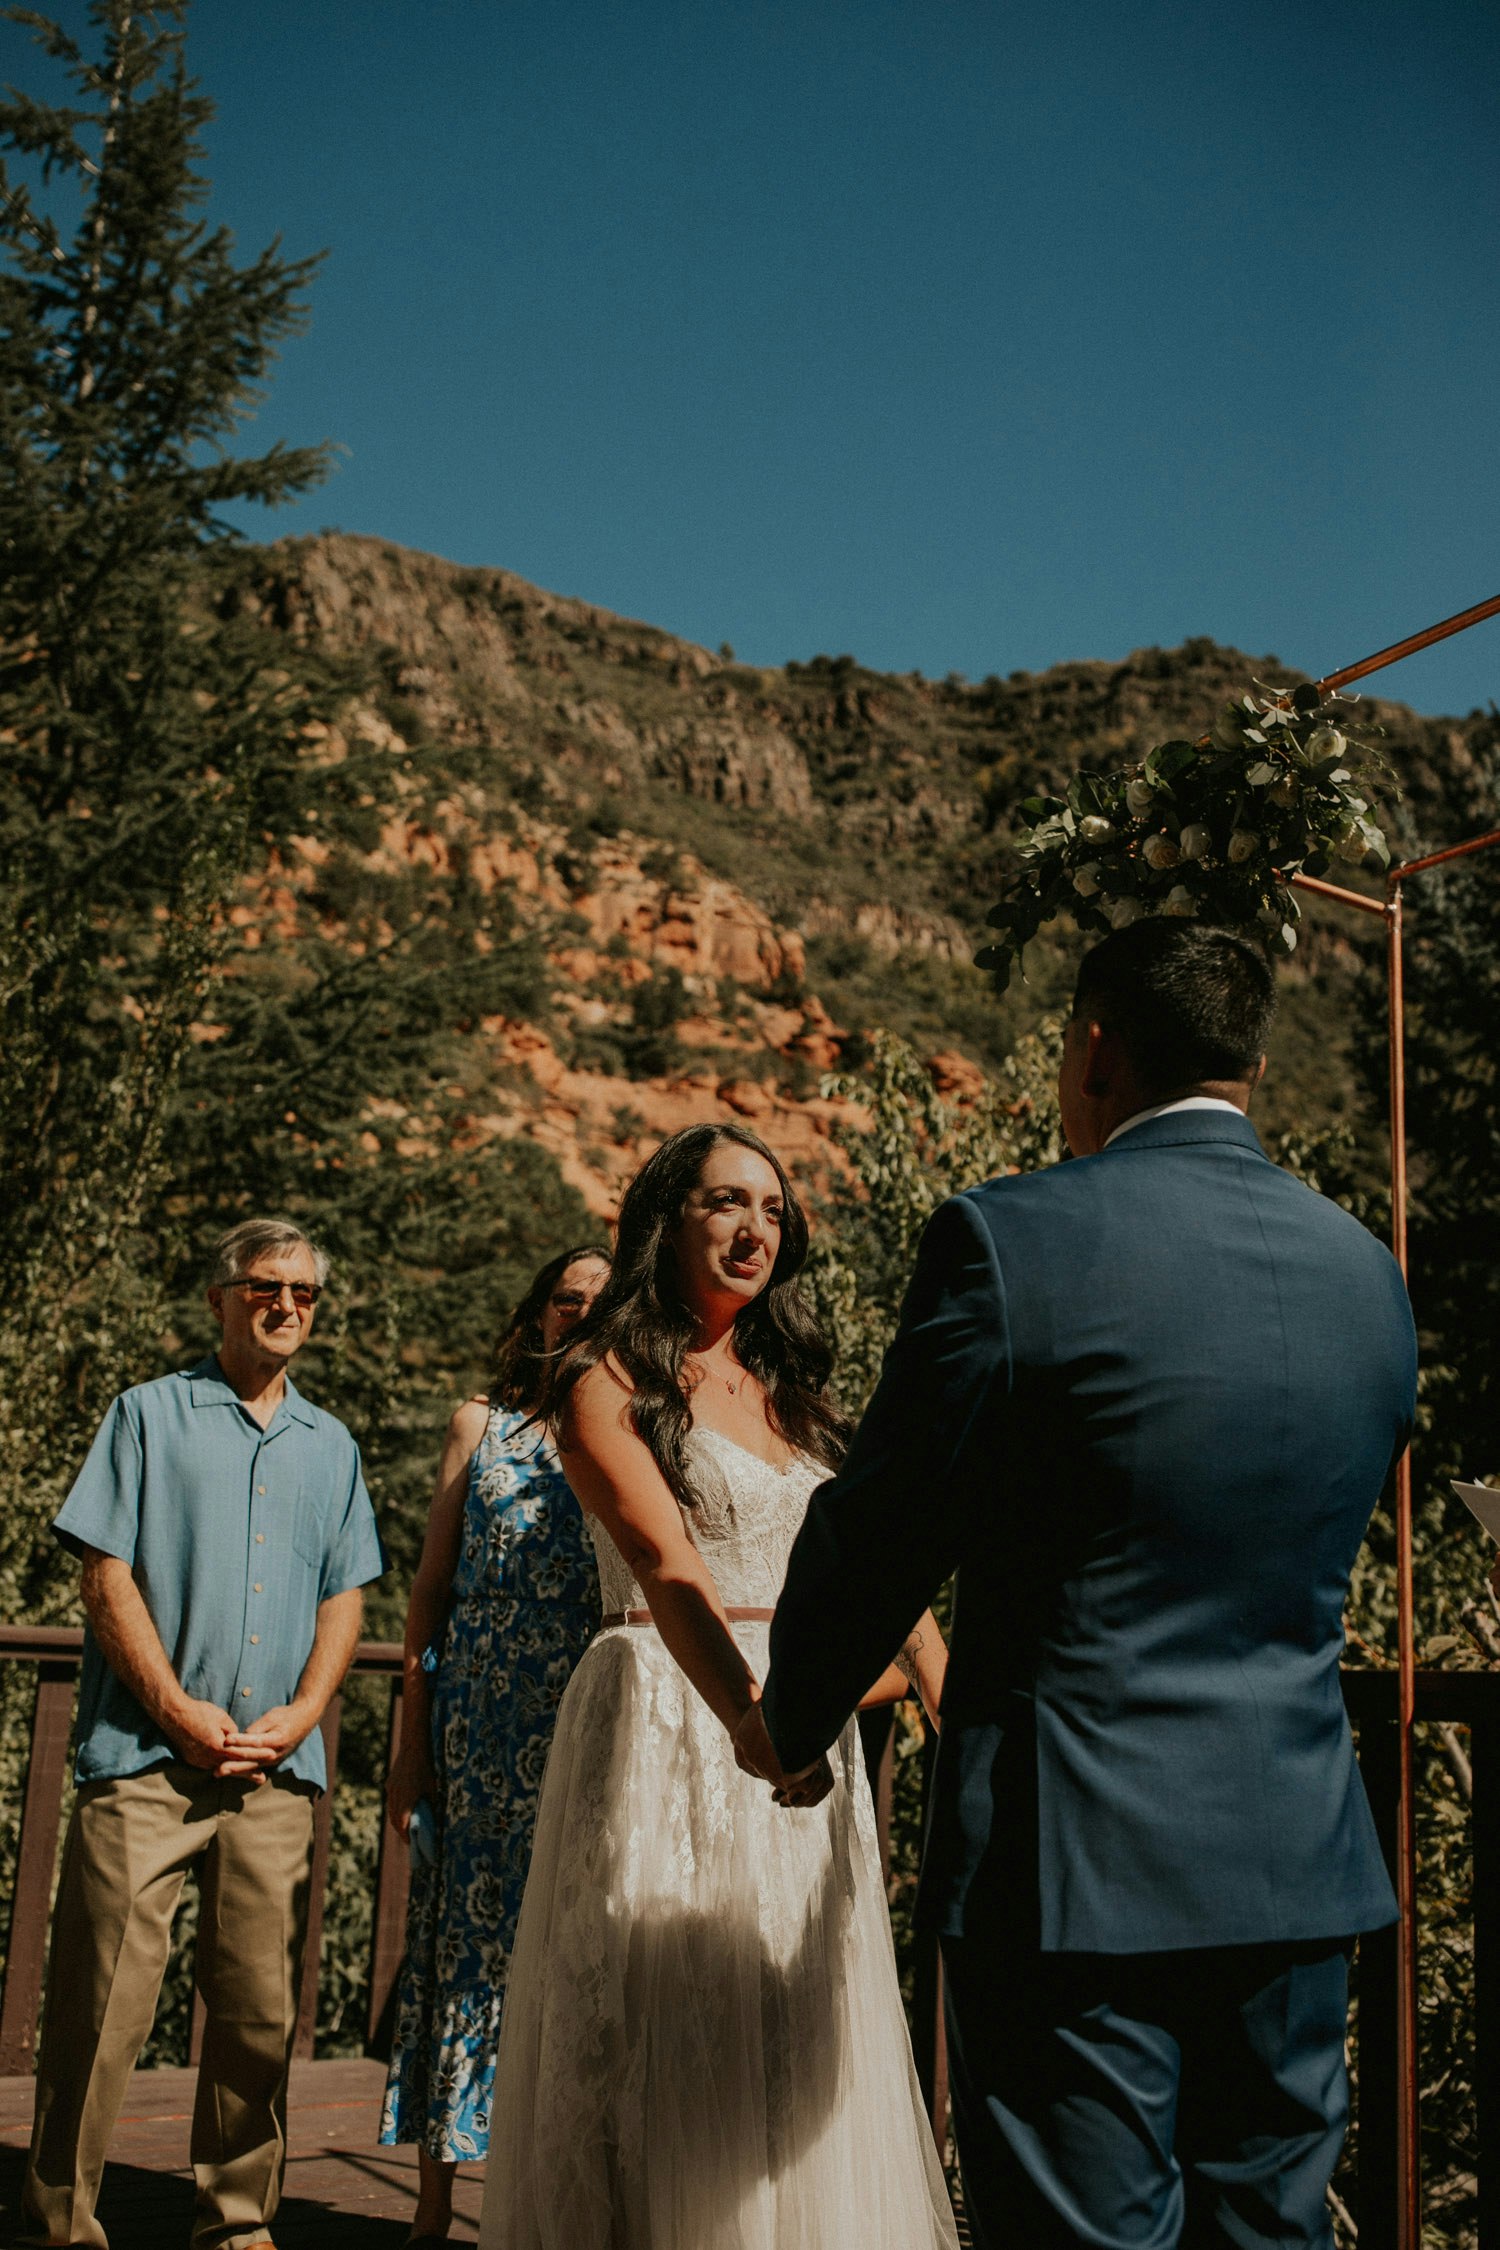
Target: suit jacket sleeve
x: 879, y: 1540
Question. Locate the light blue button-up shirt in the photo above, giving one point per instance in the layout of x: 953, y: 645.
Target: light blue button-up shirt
x: 235, y: 1534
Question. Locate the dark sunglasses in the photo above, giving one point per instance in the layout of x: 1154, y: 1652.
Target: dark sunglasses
x: 305, y: 1294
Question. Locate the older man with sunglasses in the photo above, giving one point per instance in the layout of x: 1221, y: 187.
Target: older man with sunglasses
x: 225, y: 1534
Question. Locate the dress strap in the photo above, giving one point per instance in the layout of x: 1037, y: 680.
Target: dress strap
x: 733, y: 1611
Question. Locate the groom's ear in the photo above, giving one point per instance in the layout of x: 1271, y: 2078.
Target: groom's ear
x: 1103, y: 1062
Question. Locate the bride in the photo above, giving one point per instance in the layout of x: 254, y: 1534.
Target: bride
x: 703, y: 2046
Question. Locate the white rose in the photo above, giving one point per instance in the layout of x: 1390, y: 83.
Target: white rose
x: 1195, y: 841
x: 1243, y: 845
x: 1139, y: 796
x: 1325, y: 742
x: 1123, y: 913
x: 1160, y: 852
x: 1179, y: 900
x: 1086, y: 879
x: 1095, y: 829
x: 1353, y: 847
x: 1285, y: 791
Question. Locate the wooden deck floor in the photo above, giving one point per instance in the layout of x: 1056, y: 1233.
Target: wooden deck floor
x: 343, y: 2192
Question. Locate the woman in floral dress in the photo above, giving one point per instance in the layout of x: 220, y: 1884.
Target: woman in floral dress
x: 504, y: 1601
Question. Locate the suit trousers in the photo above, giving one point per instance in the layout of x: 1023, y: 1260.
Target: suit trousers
x: 129, y: 1846
x: 1148, y: 2100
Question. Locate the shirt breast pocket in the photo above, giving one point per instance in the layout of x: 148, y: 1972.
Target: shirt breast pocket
x: 309, y: 1531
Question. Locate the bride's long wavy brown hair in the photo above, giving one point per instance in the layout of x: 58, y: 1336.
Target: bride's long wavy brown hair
x: 641, y: 1320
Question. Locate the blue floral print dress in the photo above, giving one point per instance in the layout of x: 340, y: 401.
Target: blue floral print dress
x: 525, y: 1604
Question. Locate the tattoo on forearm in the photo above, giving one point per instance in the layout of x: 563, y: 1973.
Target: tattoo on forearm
x: 906, y: 1660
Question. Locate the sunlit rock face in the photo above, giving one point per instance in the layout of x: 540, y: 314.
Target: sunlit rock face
x: 727, y: 872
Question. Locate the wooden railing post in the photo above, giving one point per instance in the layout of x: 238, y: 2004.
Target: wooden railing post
x: 877, y: 1733
x: 198, y: 2025
x: 26, y: 1953
x: 1379, y: 1971
x: 1484, y: 1747
x: 307, y: 2011
x: 930, y: 2041
x: 392, y: 1883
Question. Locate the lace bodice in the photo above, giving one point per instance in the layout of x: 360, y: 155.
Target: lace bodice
x: 747, y: 1517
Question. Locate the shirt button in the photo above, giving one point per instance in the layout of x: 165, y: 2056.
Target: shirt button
x: 255, y: 1640
x: 244, y: 1691
x: 260, y: 1539
x: 261, y: 1489
x: 258, y: 1588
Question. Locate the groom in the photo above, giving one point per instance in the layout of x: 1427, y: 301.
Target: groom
x: 1144, y: 1403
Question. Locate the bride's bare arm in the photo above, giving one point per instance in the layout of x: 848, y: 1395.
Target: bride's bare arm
x: 616, y: 1478
x: 921, y: 1664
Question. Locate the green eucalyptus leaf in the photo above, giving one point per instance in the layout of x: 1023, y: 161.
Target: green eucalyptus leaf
x: 1168, y: 760
x: 1085, y: 794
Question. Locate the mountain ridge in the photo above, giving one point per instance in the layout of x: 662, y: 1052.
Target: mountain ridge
x: 736, y: 872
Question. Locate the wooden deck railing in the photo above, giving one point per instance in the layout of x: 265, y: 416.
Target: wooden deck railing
x: 56, y: 1652
x: 1465, y: 1699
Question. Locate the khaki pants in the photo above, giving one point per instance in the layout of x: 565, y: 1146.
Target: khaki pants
x: 128, y: 1850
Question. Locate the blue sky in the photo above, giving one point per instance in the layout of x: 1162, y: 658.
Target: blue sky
x: 960, y: 337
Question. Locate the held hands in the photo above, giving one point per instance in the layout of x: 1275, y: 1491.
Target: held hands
x: 755, y: 1753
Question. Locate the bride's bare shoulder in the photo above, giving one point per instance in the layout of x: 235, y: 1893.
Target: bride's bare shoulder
x: 606, y: 1380
x: 598, y: 1406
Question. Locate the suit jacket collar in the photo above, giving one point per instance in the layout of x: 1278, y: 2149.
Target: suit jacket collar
x: 1187, y: 1128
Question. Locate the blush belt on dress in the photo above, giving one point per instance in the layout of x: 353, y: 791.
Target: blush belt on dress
x: 733, y: 1611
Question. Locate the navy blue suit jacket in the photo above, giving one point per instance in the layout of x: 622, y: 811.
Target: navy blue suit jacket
x: 1144, y: 1402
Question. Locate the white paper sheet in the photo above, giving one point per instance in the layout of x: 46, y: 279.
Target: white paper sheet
x: 1483, y: 1501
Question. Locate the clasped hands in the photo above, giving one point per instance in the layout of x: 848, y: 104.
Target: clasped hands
x: 206, y: 1737
x: 755, y: 1753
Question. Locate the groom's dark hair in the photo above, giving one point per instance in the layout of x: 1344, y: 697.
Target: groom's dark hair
x: 1190, y: 1005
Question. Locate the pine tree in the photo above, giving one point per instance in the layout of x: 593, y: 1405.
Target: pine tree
x: 150, y: 747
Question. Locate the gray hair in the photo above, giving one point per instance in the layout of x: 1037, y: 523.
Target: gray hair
x: 236, y: 1251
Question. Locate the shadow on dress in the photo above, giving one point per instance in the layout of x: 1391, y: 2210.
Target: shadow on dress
x: 725, y: 2056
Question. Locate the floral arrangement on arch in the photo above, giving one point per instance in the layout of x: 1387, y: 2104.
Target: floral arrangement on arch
x: 1282, y: 786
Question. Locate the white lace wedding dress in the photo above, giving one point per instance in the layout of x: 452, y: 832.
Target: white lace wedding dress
x: 703, y: 2045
